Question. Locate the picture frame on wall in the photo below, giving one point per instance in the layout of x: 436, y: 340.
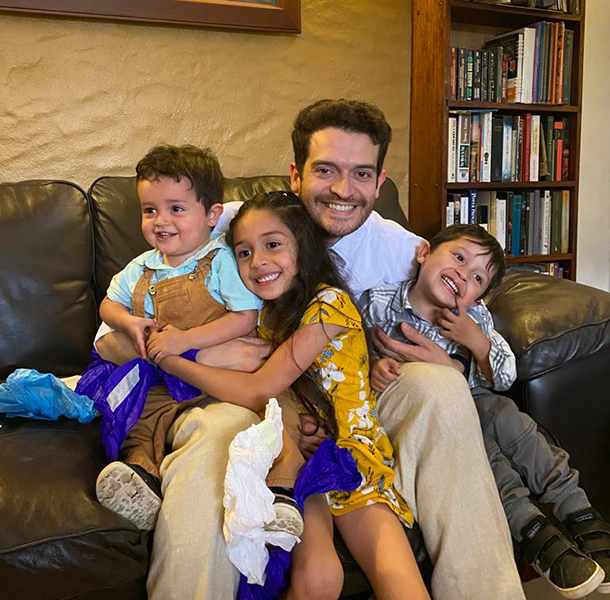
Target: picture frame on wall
x: 261, y: 15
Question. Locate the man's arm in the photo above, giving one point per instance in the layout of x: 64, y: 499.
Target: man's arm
x: 173, y: 341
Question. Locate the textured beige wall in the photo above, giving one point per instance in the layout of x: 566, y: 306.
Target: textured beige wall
x: 593, y: 266
x: 79, y: 99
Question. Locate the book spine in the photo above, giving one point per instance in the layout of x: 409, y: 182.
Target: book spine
x: 449, y: 214
x: 527, y: 147
x: 475, y: 133
x: 514, y: 148
x: 516, y: 233
x: 546, y: 223
x: 565, y: 166
x: 556, y: 221
x: 463, y: 158
x: 497, y: 152
x: 453, y: 74
x: 548, y: 132
x: 568, y: 50
x: 535, y: 148
x: 461, y: 74
x: 530, y: 207
x: 504, y: 85
x: 559, y: 77
x: 501, y: 222
x: 536, y: 82
x: 469, y: 73
x: 558, y: 149
x: 537, y: 248
x: 476, y: 75
x: 523, y: 231
x: 553, y: 61
x: 509, y: 222
x: 486, y: 133
x: 484, y: 76
x: 451, y: 149
x: 464, y: 210
x: 565, y: 221
x: 507, y: 129
x: 472, y: 206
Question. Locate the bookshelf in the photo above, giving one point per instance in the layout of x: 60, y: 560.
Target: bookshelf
x: 437, y: 26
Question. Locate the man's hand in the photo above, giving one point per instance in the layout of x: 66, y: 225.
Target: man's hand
x: 383, y: 372
x: 136, y: 328
x: 421, y: 348
x: 312, y: 435
x: 241, y: 354
x: 169, y: 341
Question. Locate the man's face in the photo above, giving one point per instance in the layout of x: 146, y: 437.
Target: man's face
x: 339, y: 183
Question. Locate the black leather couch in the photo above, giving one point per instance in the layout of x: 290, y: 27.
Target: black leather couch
x: 59, y: 247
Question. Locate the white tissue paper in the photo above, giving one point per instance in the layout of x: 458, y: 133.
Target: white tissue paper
x: 248, y: 501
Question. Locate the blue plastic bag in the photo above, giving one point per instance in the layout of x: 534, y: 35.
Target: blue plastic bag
x: 28, y: 393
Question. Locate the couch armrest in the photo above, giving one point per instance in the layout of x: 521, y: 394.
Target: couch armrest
x: 549, y: 322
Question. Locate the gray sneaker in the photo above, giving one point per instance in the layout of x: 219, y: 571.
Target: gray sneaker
x: 131, y: 492
x: 288, y: 517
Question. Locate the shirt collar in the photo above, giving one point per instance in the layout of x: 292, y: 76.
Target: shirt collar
x: 154, y: 259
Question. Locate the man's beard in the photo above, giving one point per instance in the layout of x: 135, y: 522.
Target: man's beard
x: 336, y: 228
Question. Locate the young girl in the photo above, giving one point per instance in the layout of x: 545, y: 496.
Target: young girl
x: 321, y: 352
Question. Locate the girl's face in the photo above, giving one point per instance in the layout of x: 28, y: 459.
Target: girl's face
x: 266, y: 252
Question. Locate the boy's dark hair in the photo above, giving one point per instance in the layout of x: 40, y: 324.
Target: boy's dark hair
x: 315, y: 267
x: 353, y: 116
x: 199, y: 165
x: 478, y: 235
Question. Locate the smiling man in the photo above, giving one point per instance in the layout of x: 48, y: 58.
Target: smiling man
x: 442, y: 471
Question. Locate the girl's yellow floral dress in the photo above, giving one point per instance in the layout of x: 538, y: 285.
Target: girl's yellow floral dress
x: 343, y: 370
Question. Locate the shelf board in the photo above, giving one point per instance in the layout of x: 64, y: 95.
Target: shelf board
x: 510, y: 185
x: 541, y: 258
x: 503, y: 15
x: 517, y: 107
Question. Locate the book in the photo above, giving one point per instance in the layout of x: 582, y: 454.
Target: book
x: 546, y: 223
x: 534, y: 153
x: 451, y: 149
x: 512, y: 46
x: 453, y: 74
x: 543, y: 172
x: 558, y: 84
x: 558, y: 149
x: 483, y: 210
x: 565, y: 221
x: 493, y: 211
x: 565, y: 163
x: 476, y: 75
x: 484, y: 76
x: 475, y: 132
x: 464, y: 209
x: 449, y: 214
x: 463, y: 147
x: 568, y: 50
x: 469, y: 73
x: 548, y: 134
x: 527, y: 142
x: 461, y: 74
x: 524, y: 231
x: 500, y: 221
x: 497, y: 152
x: 507, y: 131
x: 472, y: 204
x: 516, y: 229
x: 556, y: 218
x: 486, y: 147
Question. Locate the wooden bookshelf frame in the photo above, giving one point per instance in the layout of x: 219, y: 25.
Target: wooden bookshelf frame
x: 430, y: 106
x: 284, y: 16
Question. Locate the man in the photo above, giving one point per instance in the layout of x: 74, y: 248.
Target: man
x: 442, y: 471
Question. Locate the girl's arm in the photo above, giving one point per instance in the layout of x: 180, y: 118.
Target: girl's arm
x: 171, y: 340
x: 253, y: 390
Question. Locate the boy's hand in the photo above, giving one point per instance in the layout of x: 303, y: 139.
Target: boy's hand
x: 460, y: 328
x: 136, y: 328
x: 421, y: 348
x: 169, y: 341
x: 383, y: 372
x: 312, y: 435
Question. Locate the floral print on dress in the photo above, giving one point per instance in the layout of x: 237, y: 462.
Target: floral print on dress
x: 343, y: 370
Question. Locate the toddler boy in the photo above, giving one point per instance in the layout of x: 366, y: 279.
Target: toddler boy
x: 459, y: 266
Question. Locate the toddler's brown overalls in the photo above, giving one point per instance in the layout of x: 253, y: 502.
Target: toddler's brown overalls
x: 185, y: 302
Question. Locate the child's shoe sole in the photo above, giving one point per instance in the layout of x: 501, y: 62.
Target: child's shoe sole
x: 288, y: 517
x: 120, y: 489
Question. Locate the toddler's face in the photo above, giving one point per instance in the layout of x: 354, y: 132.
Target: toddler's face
x: 266, y: 253
x: 458, y: 268
x: 173, y: 220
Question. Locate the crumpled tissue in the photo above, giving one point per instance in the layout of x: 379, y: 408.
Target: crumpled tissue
x: 248, y: 501
x: 28, y: 393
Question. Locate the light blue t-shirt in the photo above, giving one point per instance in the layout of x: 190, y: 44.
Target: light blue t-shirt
x: 223, y: 281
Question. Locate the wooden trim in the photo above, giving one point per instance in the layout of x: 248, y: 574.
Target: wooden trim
x: 539, y: 258
x: 514, y: 108
x: 512, y: 185
x: 503, y: 15
x: 285, y: 17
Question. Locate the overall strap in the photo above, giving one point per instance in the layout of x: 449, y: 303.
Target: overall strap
x: 143, y: 287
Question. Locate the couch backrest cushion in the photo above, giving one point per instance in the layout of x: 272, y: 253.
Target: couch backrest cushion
x: 116, y: 217
x: 47, y: 308
x: 549, y: 322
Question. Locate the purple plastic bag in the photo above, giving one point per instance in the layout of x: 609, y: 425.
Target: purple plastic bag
x: 331, y: 468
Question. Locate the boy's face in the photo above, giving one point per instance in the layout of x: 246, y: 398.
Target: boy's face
x: 173, y: 220
x: 458, y: 268
x: 339, y: 183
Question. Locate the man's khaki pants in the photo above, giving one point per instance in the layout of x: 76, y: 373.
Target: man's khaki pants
x: 442, y: 472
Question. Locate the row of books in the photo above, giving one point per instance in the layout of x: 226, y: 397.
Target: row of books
x: 551, y: 268
x: 524, y: 222
x: 532, y: 65
x: 565, y: 6
x: 483, y: 146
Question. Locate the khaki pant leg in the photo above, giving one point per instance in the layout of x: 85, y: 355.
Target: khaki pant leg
x: 189, y: 559
x: 145, y: 443
x: 443, y: 473
x: 286, y: 467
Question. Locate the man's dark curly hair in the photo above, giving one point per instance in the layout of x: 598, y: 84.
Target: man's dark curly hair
x: 353, y: 116
x: 198, y: 165
x: 476, y: 234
